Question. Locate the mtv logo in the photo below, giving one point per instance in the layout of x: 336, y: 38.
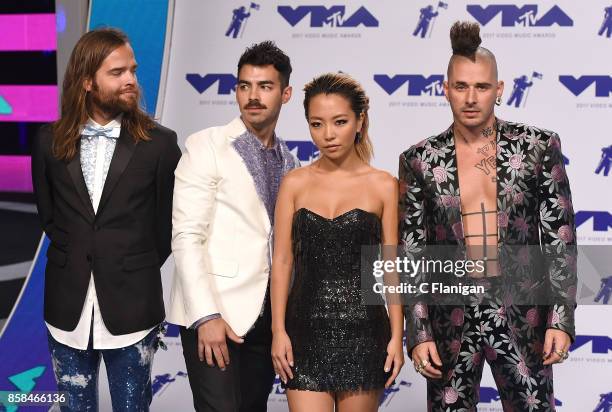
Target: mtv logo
x: 512, y: 15
x: 333, y: 16
x: 418, y: 85
x: 305, y: 151
x: 577, y: 85
x: 602, y: 221
x: 599, y: 344
x: 227, y: 82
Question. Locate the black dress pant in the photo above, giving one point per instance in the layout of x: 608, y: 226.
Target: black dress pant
x: 247, y: 381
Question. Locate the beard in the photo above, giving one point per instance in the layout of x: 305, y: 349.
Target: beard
x: 115, y: 102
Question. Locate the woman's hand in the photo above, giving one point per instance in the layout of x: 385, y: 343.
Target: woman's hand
x: 395, y: 359
x: 282, y: 355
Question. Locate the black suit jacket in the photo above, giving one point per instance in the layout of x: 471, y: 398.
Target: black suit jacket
x: 124, y: 243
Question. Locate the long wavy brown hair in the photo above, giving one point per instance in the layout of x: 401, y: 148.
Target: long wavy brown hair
x: 86, y: 58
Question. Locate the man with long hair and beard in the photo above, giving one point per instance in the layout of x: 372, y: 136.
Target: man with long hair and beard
x: 483, y: 186
x: 103, y: 179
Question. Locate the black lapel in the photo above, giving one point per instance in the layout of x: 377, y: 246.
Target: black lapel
x: 76, y: 173
x: 121, y: 157
x: 502, y: 176
x: 455, y: 217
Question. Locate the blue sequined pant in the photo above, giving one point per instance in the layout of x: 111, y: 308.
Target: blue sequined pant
x: 128, y: 370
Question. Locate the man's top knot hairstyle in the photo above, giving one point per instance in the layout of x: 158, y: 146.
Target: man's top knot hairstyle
x: 465, y: 38
x: 465, y: 41
x: 264, y: 54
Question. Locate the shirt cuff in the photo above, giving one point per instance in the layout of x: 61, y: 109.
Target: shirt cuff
x: 204, y: 320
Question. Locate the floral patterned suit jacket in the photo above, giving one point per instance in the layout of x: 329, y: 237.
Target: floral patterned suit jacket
x: 534, y: 207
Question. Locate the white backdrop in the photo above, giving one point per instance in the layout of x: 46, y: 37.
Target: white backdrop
x: 373, y: 41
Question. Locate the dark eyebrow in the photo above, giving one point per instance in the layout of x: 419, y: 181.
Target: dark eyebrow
x: 260, y: 83
x: 335, y: 117
x: 485, y: 84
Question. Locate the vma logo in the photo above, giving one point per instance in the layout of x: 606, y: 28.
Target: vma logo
x: 577, y: 85
x: 390, y: 392
x: 322, y: 16
x: 599, y: 344
x: 305, y: 151
x: 172, y: 331
x: 418, y: 85
x: 490, y: 395
x: 602, y: 221
x: 525, y: 16
x: 226, y: 82
x: 162, y: 382
x: 277, y: 389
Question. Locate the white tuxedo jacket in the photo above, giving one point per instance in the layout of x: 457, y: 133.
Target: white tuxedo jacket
x: 221, y: 233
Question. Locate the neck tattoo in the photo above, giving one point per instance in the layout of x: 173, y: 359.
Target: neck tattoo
x: 487, y: 131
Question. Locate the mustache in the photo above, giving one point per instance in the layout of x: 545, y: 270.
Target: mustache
x: 254, y: 104
x: 130, y: 90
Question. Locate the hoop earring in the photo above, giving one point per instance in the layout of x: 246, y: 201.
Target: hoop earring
x: 498, y: 101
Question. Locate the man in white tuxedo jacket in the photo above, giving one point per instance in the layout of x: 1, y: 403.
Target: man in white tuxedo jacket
x: 223, y: 214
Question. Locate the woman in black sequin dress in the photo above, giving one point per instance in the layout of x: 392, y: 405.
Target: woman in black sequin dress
x: 331, y: 350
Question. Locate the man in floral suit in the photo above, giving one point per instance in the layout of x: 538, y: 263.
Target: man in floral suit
x: 488, y: 185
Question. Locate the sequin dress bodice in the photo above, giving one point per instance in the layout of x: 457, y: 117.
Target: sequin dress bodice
x: 338, y: 342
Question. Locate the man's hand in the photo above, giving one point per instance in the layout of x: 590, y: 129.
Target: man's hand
x: 556, y: 346
x: 211, y: 340
x: 425, y: 357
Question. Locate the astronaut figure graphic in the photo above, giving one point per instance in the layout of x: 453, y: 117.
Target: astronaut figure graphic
x: 606, y: 26
x: 605, y: 403
x: 520, y: 85
x: 605, y: 162
x: 238, y: 17
x: 427, y: 13
x: 605, y: 292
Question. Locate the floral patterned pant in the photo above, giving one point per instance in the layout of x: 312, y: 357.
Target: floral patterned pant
x: 487, y: 336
